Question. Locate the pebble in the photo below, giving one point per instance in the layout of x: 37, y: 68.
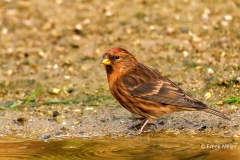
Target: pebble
x: 210, y: 70
x: 54, y: 91
x: 170, y: 30
x: 42, y: 54
x: 70, y: 90
x: 67, y: 77
x: 185, y: 54
x: 238, y: 79
x: 202, y: 128
x: 45, y: 137
x: 55, y: 113
x: 196, y: 39
x: 78, y: 29
x: 55, y: 66
x: 108, y: 13
x: 60, y: 119
x: 224, y: 23
x: 77, y: 110
x: 76, y: 37
x: 184, y: 29
x: 89, y: 108
x: 228, y: 17
x: 4, y: 31
x: 208, y: 95
x: 86, y: 21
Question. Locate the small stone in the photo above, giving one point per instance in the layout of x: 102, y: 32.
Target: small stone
x: 54, y: 91
x: 68, y: 62
x: 205, y: 27
x: 238, y: 79
x: 185, y: 54
x: 220, y: 103
x: 228, y: 17
x: 196, y: 39
x: 170, y: 30
x: 67, y: 77
x: 45, y: 137
x: 4, y: 31
x: 78, y: 29
x: 108, y: 13
x: 55, y: 66
x: 58, y: 133
x: 205, y: 17
x: 89, y: 108
x: 208, y: 95
x: 205, y: 14
x: 184, y: 29
x: 152, y: 27
x: 42, y: 54
x: 49, y: 113
x: 224, y: 23
x: 210, y: 71
x: 55, y: 113
x: 48, y: 25
x: 10, y: 50
x: 199, y: 67
x: 9, y: 72
x: 70, y: 90
x: 77, y: 110
x: 76, y: 37
x: 202, y: 128
x: 60, y: 118
x: 86, y: 21
x: 21, y: 120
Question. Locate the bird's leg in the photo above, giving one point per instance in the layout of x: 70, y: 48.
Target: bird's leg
x: 145, y: 122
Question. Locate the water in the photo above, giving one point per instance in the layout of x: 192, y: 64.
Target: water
x: 148, y: 146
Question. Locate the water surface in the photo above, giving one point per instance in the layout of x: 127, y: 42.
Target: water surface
x: 148, y: 146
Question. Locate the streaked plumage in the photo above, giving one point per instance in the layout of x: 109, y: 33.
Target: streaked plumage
x: 144, y: 91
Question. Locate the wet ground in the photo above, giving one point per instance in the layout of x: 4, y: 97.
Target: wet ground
x: 52, y: 85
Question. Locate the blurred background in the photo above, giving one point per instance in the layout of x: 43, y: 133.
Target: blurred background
x: 56, y: 46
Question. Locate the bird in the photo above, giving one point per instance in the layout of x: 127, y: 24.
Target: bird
x: 144, y: 91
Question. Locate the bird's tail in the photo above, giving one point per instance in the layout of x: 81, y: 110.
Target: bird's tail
x: 217, y: 113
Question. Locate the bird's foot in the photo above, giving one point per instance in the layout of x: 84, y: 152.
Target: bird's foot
x: 144, y: 126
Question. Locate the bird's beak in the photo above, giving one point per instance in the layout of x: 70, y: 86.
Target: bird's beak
x: 106, y: 61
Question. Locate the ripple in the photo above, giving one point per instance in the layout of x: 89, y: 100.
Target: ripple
x: 143, y: 147
x: 149, y: 146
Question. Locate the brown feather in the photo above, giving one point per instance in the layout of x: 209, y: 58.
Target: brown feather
x: 217, y: 113
x: 144, y: 91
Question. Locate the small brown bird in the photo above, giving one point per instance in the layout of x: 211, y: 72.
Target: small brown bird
x: 144, y: 91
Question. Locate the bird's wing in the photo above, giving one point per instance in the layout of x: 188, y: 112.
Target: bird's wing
x: 160, y: 90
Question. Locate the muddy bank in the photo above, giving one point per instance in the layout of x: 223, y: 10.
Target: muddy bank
x: 56, y: 122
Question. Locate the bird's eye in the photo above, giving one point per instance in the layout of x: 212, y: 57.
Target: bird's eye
x: 117, y: 57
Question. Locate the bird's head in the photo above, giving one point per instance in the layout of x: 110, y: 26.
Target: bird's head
x: 118, y: 60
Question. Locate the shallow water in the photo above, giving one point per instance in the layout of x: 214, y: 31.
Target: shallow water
x: 149, y: 146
